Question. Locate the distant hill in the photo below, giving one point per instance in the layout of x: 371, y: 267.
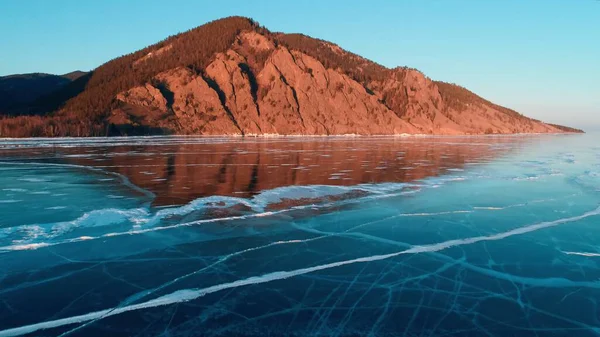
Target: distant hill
x: 74, y: 75
x: 234, y: 77
x: 19, y: 93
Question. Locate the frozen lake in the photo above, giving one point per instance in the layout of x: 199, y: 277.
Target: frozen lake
x: 364, y: 236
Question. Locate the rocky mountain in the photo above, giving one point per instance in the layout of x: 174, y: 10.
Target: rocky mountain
x: 21, y: 94
x: 234, y: 77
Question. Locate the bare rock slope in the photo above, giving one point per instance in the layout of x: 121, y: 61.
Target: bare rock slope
x: 295, y: 94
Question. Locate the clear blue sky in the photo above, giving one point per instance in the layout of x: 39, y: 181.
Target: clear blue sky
x: 540, y: 57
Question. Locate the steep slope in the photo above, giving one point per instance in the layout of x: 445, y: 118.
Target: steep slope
x: 233, y: 77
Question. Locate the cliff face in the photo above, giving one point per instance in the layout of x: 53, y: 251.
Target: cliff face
x: 260, y: 83
x: 295, y: 94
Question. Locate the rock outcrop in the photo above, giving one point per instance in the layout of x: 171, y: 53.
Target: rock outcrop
x: 295, y: 94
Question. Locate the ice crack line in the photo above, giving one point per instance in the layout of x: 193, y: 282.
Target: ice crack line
x: 192, y: 294
x: 588, y: 254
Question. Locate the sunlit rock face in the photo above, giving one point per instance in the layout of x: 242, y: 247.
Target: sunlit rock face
x: 324, y: 236
x: 293, y: 93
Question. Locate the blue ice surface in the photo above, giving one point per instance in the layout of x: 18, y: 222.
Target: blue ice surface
x: 505, y: 243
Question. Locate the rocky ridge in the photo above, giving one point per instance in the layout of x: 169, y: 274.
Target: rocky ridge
x: 295, y: 94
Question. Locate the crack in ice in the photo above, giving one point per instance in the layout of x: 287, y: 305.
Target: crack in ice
x: 588, y: 254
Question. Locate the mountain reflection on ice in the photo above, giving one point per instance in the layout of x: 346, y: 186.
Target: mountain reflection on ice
x: 383, y: 236
x: 180, y: 169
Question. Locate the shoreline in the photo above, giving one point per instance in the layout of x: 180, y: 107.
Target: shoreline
x: 280, y: 136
